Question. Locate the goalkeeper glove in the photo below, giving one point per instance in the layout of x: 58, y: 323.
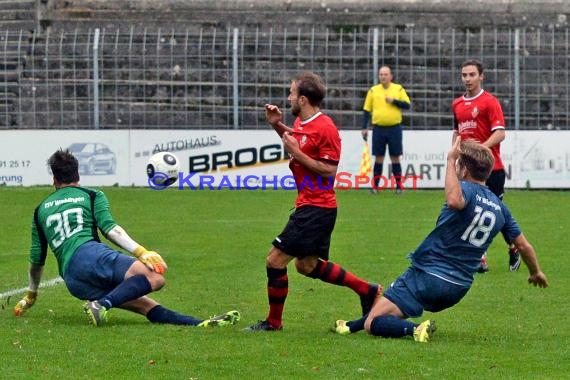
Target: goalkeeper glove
x: 25, y: 303
x: 151, y: 259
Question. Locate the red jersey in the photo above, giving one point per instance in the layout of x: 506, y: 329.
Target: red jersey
x: 477, y: 118
x: 319, y: 139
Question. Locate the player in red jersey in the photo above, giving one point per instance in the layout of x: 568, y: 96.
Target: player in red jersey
x: 478, y: 116
x: 314, y: 152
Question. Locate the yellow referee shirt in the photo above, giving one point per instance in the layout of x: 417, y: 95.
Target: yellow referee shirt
x: 385, y: 114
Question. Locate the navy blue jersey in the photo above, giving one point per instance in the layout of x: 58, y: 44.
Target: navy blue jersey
x: 453, y: 250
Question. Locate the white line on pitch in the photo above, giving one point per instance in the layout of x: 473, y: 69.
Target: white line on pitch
x: 44, y: 284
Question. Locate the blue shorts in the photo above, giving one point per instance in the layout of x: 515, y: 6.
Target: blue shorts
x: 415, y: 291
x: 391, y: 136
x: 95, y: 270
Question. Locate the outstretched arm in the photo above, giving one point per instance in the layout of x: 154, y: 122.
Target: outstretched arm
x: 34, y: 278
x: 120, y: 237
x: 453, y: 193
x: 149, y: 258
x: 454, y: 136
x: 536, y: 276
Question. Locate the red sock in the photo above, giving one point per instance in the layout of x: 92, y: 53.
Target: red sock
x: 332, y: 273
x: 277, y: 290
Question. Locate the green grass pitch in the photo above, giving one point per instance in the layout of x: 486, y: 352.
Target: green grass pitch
x: 215, y: 243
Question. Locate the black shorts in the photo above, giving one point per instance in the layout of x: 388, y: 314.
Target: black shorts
x: 496, y: 183
x: 308, y: 232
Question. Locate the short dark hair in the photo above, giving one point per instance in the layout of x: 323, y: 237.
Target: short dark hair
x: 312, y: 87
x: 477, y: 158
x: 64, y: 166
x: 473, y: 62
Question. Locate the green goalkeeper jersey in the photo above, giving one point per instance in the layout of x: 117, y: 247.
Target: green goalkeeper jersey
x: 66, y: 219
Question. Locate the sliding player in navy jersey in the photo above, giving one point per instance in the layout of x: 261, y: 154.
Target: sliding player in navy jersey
x: 67, y: 220
x: 443, y: 266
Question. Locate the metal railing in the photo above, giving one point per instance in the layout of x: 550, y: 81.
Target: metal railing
x: 221, y: 78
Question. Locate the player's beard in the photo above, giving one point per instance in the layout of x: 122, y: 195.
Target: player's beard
x: 295, y: 109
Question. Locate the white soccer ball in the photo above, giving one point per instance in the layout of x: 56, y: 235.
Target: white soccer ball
x: 162, y: 169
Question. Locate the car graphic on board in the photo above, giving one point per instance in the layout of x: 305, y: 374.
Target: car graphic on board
x: 94, y: 158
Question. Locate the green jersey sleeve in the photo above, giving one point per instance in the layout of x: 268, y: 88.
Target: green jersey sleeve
x: 38, y: 250
x: 105, y: 221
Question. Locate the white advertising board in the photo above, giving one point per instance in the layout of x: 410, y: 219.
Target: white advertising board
x: 256, y: 159
x: 24, y: 154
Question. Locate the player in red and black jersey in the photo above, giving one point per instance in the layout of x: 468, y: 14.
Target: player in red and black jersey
x: 314, y: 150
x: 478, y: 116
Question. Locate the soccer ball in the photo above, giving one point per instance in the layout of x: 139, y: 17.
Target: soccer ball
x: 162, y: 169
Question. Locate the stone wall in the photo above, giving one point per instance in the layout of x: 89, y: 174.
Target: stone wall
x: 68, y: 14
x: 424, y: 42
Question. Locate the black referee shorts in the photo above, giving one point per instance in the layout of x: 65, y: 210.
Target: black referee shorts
x: 308, y: 232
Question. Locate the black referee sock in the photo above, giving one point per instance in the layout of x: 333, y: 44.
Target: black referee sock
x: 397, y: 172
x: 377, y: 173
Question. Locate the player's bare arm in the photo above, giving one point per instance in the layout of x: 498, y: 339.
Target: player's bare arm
x: 322, y: 168
x: 274, y: 116
x: 35, y: 276
x: 454, y: 136
x: 536, y: 276
x: 496, y: 138
x: 453, y: 194
x: 120, y: 237
x: 151, y: 259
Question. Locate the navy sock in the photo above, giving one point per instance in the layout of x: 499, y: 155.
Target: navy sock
x: 356, y: 325
x: 377, y: 173
x: 389, y: 326
x: 159, y: 314
x: 397, y: 172
x: 128, y: 290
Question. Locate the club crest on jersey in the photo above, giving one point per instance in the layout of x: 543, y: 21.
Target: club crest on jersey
x: 475, y: 112
x: 303, y: 140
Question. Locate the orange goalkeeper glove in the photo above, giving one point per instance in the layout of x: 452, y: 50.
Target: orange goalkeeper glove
x: 25, y: 303
x: 151, y: 259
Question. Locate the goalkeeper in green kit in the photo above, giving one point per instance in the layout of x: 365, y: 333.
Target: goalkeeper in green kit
x: 67, y: 220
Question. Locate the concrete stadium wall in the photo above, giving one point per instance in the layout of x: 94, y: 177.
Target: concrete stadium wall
x: 66, y: 14
x: 34, y: 64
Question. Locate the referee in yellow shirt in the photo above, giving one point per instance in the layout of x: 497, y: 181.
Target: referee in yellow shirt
x: 384, y: 104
